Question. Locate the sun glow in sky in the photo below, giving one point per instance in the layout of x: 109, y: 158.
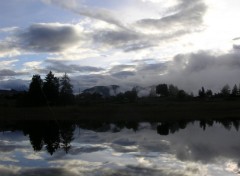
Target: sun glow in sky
x: 128, y: 42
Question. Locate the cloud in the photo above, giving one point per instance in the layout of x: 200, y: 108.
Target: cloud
x: 119, y: 68
x: 49, y: 37
x: 8, y: 48
x: 188, y: 71
x: 60, y: 67
x: 87, y: 149
x: 123, y: 74
x: 191, y: 71
x: 9, y: 29
x: 81, y: 9
x: 8, y: 72
x: 126, y: 40
x: 44, y: 171
x: 187, y: 14
x: 7, y: 63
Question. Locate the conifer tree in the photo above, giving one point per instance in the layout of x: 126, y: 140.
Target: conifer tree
x: 35, y: 93
x: 66, y: 91
x: 51, y: 88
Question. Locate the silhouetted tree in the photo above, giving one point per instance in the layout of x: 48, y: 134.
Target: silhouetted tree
x: 209, y: 93
x: 163, y: 129
x: 162, y: 89
x: 51, y: 137
x: 225, y: 91
x: 173, y: 90
x: 181, y: 95
x: 35, y: 91
x: 130, y: 95
x: 201, y: 93
x: 66, y: 92
x: 235, y: 91
x: 66, y: 132
x: 51, y: 88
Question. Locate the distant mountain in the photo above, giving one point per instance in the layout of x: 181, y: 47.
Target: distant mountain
x: 105, y: 91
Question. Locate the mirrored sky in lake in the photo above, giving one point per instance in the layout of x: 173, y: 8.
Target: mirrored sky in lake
x: 189, y: 148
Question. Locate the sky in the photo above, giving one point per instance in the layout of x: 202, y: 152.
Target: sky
x: 188, y: 43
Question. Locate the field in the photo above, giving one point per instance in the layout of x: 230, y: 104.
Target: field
x: 161, y: 111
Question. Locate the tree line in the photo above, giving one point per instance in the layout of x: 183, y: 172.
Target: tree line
x: 164, y: 90
x: 50, y: 91
x: 54, y: 91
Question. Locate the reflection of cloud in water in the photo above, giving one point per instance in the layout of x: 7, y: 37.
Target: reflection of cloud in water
x: 86, y: 149
x: 189, y: 152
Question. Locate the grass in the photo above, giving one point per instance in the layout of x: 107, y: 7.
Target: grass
x: 160, y: 111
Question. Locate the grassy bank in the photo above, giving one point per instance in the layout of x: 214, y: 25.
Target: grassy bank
x: 190, y: 110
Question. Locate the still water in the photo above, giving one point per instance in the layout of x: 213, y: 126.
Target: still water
x: 201, y: 148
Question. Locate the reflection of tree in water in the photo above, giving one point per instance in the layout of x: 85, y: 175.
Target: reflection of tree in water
x: 66, y: 132
x: 35, y: 135
x: 51, y: 134
x: 164, y: 128
x: 99, y: 126
x: 51, y: 137
x: 58, y: 135
x: 55, y: 135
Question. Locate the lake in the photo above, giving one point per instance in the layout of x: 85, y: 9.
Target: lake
x: 63, y: 148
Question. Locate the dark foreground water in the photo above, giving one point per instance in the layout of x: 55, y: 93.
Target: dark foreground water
x: 201, y: 148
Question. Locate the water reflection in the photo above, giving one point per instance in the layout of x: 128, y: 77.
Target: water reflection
x: 54, y: 135
x: 206, y: 147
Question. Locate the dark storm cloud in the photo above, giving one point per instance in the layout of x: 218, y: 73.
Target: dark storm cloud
x: 48, y: 37
x: 58, y: 66
x: 187, y: 14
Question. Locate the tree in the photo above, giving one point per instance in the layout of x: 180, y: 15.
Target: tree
x: 35, y: 91
x: 182, y: 95
x: 201, y: 93
x: 209, y: 93
x: 66, y: 92
x: 173, y: 90
x: 235, y: 90
x: 225, y: 90
x: 130, y: 95
x: 162, y: 89
x: 51, y: 88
